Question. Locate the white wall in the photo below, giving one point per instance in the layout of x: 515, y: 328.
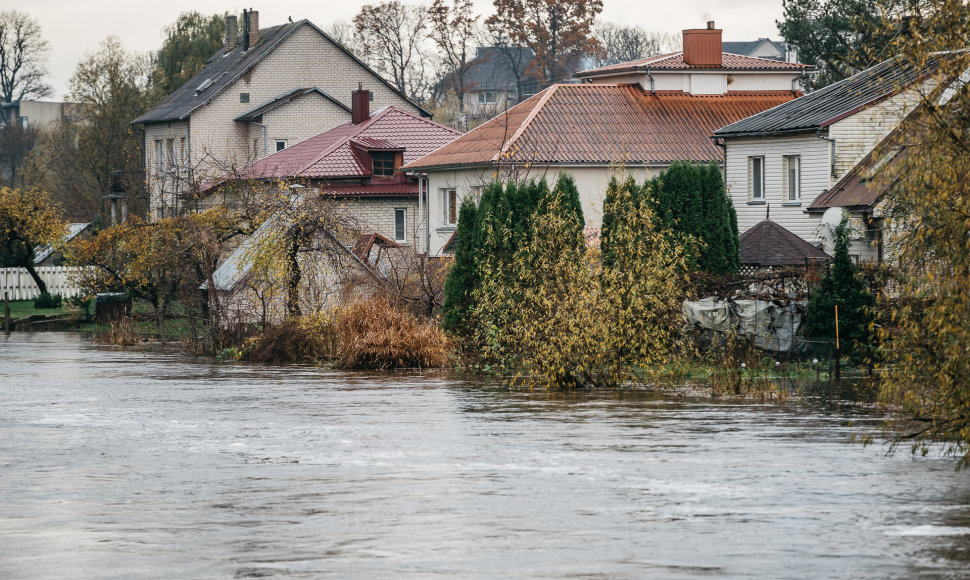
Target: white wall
x: 706, y: 82
x: 815, y: 179
x: 857, y: 134
x: 590, y: 181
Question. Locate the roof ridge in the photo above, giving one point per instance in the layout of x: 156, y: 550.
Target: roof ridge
x: 528, y: 121
x: 431, y: 122
x: 346, y: 138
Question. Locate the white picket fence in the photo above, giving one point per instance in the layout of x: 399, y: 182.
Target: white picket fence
x: 18, y: 284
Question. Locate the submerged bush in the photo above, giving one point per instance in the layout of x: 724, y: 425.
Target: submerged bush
x: 372, y: 334
x: 308, y: 338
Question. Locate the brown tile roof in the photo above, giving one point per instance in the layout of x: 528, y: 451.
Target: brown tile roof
x: 675, y: 61
x: 769, y: 244
x: 859, y: 188
x: 603, y: 124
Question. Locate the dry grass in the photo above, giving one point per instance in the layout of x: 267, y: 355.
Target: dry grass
x: 372, y: 334
x: 305, y: 339
x: 121, y: 332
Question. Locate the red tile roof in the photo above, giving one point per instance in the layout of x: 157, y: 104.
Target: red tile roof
x: 675, y: 61
x: 769, y: 244
x: 375, y: 188
x: 602, y: 124
x: 331, y: 154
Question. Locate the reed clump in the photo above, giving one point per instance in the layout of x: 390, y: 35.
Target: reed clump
x: 373, y: 334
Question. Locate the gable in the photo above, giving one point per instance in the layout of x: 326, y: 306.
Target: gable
x: 293, y: 50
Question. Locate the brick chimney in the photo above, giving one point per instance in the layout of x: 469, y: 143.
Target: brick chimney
x: 359, y: 105
x: 702, y: 46
x: 232, y: 32
x: 250, y: 33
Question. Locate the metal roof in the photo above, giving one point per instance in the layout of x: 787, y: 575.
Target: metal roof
x: 674, y: 61
x: 821, y: 108
x: 769, y: 244
x: 603, y: 124
x: 222, y: 69
x: 745, y: 48
x: 41, y: 253
x: 288, y: 96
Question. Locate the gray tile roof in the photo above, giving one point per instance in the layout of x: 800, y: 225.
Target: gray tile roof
x: 222, y: 69
x: 769, y: 244
x: 821, y: 108
x: 259, y: 110
x: 749, y: 46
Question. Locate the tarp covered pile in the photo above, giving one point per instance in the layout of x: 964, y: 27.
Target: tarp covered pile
x: 772, y: 325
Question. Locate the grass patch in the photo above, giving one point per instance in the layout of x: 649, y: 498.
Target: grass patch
x: 25, y: 308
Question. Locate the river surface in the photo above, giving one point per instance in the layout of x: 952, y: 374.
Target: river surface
x: 120, y: 464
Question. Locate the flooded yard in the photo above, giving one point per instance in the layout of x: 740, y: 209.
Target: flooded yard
x: 121, y: 464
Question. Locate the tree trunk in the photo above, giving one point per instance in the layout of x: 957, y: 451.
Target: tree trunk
x: 37, y: 279
x: 293, y: 284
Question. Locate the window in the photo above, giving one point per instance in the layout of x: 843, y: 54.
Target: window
x: 792, y: 177
x: 243, y: 97
x: 159, y: 156
x: 170, y: 153
x: 399, y: 215
x: 182, y: 159
x: 476, y: 192
x: 383, y: 163
x: 280, y: 144
x: 449, y: 198
x: 487, y: 97
x: 756, y: 178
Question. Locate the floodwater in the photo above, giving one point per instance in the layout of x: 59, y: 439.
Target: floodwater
x: 117, y: 464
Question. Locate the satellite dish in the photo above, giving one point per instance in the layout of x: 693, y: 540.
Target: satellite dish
x: 830, y: 220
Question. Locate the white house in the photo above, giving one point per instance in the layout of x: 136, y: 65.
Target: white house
x: 266, y: 90
x: 640, y: 119
x: 786, y: 157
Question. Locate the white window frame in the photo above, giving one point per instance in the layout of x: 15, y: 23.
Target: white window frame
x: 756, y: 183
x: 449, y: 202
x: 791, y: 188
x: 400, y: 218
x: 278, y: 143
x: 159, y: 156
x: 170, y: 153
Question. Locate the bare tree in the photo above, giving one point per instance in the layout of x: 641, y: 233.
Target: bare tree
x: 455, y: 32
x: 626, y: 43
x: 390, y: 36
x: 343, y: 33
x: 23, y: 56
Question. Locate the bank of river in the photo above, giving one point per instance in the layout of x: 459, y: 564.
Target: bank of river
x: 134, y: 465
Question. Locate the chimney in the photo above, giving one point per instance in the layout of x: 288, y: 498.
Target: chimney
x: 359, y: 105
x: 232, y: 32
x: 253, y: 28
x: 702, y: 46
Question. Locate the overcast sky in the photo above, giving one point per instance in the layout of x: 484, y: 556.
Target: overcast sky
x: 74, y: 27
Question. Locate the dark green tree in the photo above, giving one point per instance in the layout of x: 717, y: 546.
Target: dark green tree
x: 841, y: 286
x: 189, y: 42
x: 838, y: 37
x: 463, y: 277
x: 720, y: 253
x: 621, y: 199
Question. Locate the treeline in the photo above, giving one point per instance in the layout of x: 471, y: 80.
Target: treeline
x: 532, y: 295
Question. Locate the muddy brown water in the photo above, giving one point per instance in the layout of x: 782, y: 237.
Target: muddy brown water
x: 119, y: 464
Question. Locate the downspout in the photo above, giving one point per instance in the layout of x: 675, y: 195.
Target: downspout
x: 421, y: 203
x: 427, y: 215
x: 719, y: 141
x: 265, y: 145
x: 652, y: 86
x: 794, y: 81
x: 831, y: 150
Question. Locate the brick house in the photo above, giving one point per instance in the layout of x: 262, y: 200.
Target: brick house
x: 359, y: 163
x: 635, y: 119
x: 265, y: 90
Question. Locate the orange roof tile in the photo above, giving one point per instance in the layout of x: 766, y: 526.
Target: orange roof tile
x: 603, y: 124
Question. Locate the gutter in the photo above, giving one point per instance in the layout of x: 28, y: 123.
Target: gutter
x: 265, y: 142
x: 818, y: 134
x: 653, y: 90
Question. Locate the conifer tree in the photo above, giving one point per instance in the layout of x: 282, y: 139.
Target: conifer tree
x: 566, y: 189
x: 841, y: 286
x: 463, y: 278
x: 720, y: 252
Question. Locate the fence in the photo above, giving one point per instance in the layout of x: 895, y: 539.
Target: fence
x: 20, y: 286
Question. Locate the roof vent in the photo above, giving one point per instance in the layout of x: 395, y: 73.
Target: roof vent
x: 205, y: 84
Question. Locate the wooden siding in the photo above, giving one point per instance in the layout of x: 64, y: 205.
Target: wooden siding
x: 857, y: 134
x: 815, y: 178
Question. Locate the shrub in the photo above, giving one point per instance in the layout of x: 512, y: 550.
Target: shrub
x: 46, y: 300
x: 298, y: 339
x: 372, y: 334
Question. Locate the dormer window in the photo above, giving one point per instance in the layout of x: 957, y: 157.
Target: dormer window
x: 383, y: 163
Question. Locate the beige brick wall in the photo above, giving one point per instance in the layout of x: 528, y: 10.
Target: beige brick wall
x: 166, y: 177
x: 377, y: 215
x: 304, y: 59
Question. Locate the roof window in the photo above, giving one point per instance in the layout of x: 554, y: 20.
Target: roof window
x: 205, y: 84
